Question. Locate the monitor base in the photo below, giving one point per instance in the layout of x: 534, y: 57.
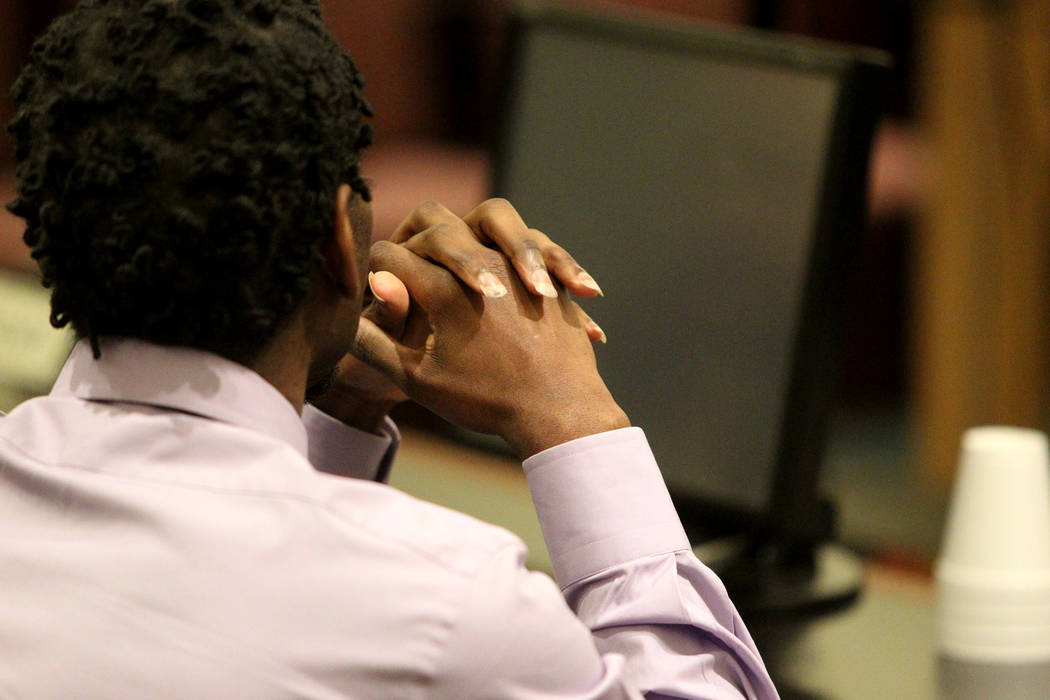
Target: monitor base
x: 767, y: 582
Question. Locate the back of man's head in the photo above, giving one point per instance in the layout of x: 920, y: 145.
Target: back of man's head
x: 178, y: 162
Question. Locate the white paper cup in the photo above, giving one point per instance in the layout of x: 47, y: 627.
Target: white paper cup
x: 993, y: 575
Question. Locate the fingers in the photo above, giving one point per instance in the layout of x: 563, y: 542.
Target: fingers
x: 423, y: 280
x: 391, y: 304
x: 426, y: 215
x: 568, y: 271
x: 434, y: 232
x: 499, y: 222
x: 389, y: 290
x: 394, y: 312
x: 398, y: 273
x: 455, y: 247
x: 534, y: 255
x: 380, y: 351
x: 594, y: 331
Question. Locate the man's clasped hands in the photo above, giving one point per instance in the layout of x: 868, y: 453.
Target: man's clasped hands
x: 471, y: 318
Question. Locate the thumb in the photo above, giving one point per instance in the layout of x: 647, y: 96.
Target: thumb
x: 390, y: 309
x: 379, y: 350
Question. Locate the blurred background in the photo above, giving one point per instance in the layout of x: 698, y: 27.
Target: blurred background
x: 947, y: 322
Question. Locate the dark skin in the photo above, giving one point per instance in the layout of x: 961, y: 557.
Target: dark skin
x: 479, y: 341
x: 521, y: 366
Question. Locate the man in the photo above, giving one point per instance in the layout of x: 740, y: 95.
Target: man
x: 175, y: 522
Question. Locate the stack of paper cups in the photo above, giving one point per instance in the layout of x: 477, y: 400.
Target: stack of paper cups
x: 993, y: 576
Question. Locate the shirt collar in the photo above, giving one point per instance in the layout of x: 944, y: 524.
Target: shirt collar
x: 182, y: 379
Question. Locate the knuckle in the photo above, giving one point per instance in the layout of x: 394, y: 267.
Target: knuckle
x: 380, y: 250
x: 466, y: 262
x: 438, y: 232
x: 539, y: 236
x: 428, y: 206
x: 429, y: 240
x: 420, y: 240
x: 492, y: 260
x: 496, y: 203
x: 557, y: 255
x: 429, y: 210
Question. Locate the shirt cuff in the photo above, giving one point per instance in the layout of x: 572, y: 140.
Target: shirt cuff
x: 339, y: 449
x: 602, y: 501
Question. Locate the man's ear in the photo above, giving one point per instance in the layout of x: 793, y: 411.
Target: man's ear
x: 340, y: 249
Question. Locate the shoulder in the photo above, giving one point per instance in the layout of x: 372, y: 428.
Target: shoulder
x: 217, y: 466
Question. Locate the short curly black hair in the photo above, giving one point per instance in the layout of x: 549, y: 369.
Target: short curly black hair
x: 177, y: 165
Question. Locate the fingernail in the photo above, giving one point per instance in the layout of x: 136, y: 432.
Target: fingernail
x: 371, y: 276
x: 601, y: 334
x: 491, y: 286
x: 542, y: 281
x: 534, y: 258
x: 587, y: 281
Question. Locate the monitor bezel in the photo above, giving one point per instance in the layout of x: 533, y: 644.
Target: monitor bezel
x: 796, y: 511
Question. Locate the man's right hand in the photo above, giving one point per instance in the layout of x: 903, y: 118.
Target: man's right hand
x: 520, y: 366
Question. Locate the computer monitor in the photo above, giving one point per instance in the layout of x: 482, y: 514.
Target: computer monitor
x: 712, y: 180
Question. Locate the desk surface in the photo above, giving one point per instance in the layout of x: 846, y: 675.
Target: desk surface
x: 883, y: 647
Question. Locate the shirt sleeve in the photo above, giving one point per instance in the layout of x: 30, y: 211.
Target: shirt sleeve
x: 637, y: 614
x: 339, y: 449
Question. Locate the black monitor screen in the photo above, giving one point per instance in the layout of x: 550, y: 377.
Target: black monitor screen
x: 688, y: 182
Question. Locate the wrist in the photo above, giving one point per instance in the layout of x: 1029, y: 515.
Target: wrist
x: 535, y: 431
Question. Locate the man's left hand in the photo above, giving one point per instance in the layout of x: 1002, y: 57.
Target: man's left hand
x: 360, y: 395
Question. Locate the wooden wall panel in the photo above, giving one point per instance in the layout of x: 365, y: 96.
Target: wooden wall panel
x: 983, y: 269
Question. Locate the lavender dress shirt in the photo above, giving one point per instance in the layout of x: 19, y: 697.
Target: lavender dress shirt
x: 170, y: 527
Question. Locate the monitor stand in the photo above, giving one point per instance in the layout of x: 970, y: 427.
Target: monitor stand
x: 771, y: 581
